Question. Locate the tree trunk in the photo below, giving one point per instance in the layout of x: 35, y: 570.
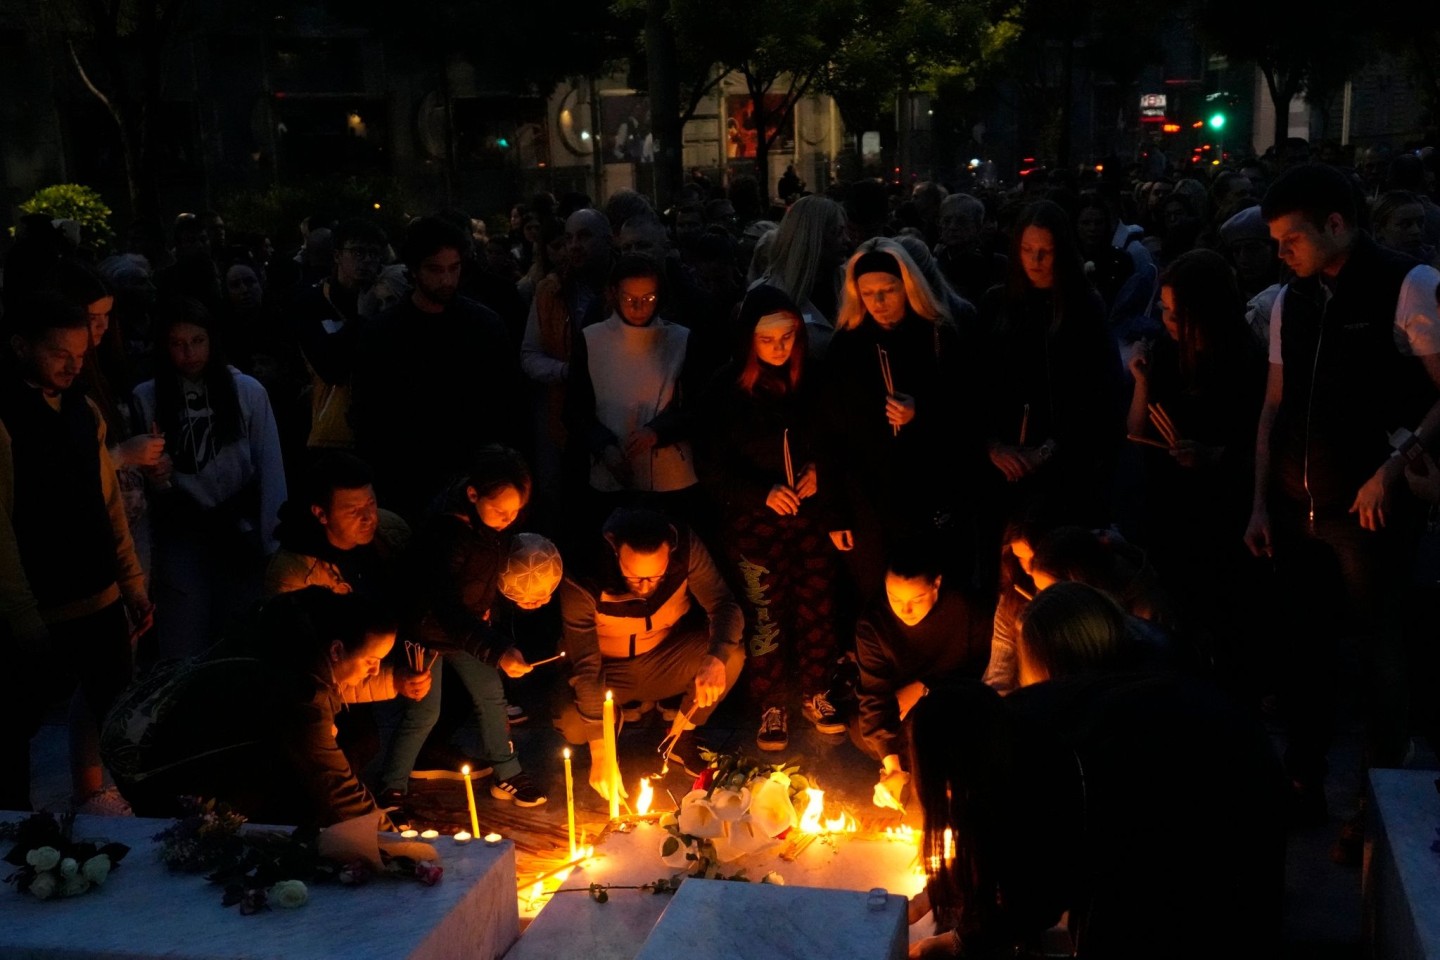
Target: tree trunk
x: 664, y: 82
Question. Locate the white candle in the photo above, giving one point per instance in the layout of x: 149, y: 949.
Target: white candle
x: 470, y: 798
x: 613, y: 774
x: 409, y: 834
x: 570, y: 800
x: 462, y: 837
x: 430, y: 835
x: 493, y: 839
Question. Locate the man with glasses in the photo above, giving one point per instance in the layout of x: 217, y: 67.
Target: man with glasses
x: 653, y: 620
x: 328, y: 322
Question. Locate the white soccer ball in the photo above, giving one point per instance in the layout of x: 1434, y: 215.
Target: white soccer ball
x: 532, y: 571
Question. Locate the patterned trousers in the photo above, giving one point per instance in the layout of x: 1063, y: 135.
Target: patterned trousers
x: 785, y: 568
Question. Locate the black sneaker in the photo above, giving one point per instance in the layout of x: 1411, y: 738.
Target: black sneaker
x: 774, y: 730
x: 519, y: 789
x: 817, y: 710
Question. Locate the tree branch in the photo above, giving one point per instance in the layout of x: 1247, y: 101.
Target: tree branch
x: 89, y: 84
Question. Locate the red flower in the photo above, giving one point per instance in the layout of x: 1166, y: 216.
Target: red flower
x: 783, y: 834
x: 706, y: 778
x: 428, y: 873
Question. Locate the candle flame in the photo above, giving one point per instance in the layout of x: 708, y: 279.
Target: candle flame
x: 465, y: 770
x: 949, y: 845
x: 609, y: 695
x: 566, y: 753
x: 811, y: 822
x: 903, y: 833
x: 646, y: 797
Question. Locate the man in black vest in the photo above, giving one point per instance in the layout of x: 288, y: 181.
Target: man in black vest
x: 68, y: 570
x: 1354, y: 358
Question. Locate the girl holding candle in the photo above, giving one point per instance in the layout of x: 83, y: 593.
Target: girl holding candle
x: 214, y: 523
x: 1051, y: 408
x: 758, y: 459
x: 456, y: 562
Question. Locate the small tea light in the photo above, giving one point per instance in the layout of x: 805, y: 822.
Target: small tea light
x: 493, y: 839
x: 430, y: 835
x: 463, y: 837
x: 409, y: 834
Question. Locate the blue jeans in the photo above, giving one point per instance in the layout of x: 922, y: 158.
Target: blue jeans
x: 419, y: 716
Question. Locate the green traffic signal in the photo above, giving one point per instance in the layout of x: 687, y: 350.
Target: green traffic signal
x: 1217, y: 121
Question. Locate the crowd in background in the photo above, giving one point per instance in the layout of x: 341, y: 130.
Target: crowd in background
x: 897, y: 439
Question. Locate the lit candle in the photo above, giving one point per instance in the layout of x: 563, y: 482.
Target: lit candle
x: 613, y: 774
x: 570, y: 801
x: 409, y: 834
x: 430, y: 835
x: 470, y: 798
x: 462, y: 837
x: 492, y: 839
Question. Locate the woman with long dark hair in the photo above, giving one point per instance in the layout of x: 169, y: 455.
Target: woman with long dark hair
x: 214, y: 523
x: 758, y: 460
x: 1201, y: 387
x: 1035, y: 806
x: 455, y: 562
x: 1052, y: 407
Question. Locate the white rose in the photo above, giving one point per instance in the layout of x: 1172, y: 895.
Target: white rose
x: 289, y: 894
x: 697, y: 816
x: 741, y: 837
x: 68, y: 868
x: 770, y: 808
x: 74, y: 886
x: 676, y: 858
x: 96, y: 869
x: 782, y: 778
x: 730, y: 804
x: 44, y: 885
x: 773, y: 877
x: 43, y: 858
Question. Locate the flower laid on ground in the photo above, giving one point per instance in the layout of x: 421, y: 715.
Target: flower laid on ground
x: 736, y: 806
x: 289, y: 894
x: 52, y: 863
x: 261, y: 869
x: 206, y: 838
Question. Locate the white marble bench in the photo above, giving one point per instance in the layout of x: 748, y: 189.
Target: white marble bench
x: 146, y: 911
x: 1402, y: 873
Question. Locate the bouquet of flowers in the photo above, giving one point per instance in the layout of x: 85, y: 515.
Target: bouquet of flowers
x: 737, y: 806
x: 52, y: 863
x: 263, y: 868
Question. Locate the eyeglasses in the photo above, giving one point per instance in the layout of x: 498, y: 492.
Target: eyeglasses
x: 644, y: 580
x: 633, y: 302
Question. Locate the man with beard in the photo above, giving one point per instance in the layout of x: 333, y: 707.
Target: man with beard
x: 328, y: 321
x: 436, y: 379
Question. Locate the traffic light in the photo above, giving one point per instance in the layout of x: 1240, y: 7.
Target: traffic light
x: 1217, y: 120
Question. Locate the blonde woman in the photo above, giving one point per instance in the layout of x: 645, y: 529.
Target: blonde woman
x: 803, y: 260
x: 896, y: 441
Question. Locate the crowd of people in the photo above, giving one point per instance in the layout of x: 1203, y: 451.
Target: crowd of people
x: 1014, y: 488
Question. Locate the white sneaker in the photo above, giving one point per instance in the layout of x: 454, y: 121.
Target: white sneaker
x: 105, y: 803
